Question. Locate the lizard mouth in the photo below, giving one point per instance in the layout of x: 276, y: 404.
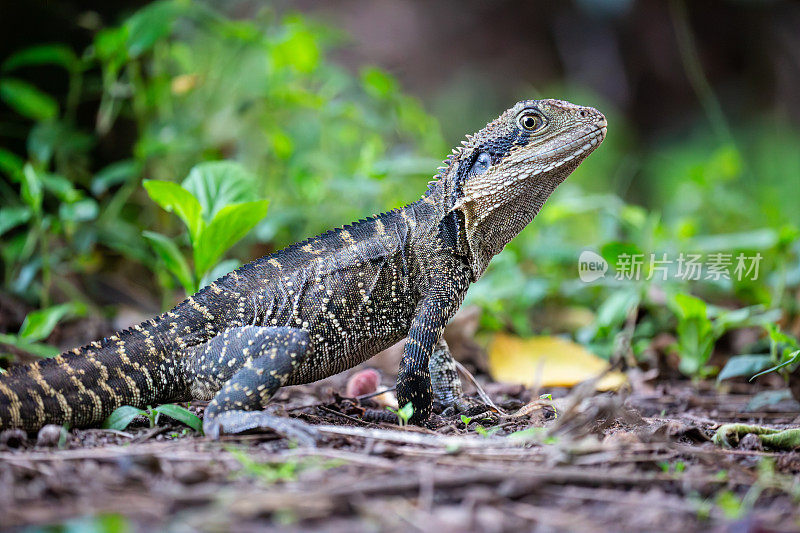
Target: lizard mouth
x: 585, y: 144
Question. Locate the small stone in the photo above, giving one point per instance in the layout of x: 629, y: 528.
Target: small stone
x: 13, y: 438
x: 49, y: 436
x: 751, y: 442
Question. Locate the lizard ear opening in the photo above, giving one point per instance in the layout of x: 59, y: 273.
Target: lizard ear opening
x: 481, y: 164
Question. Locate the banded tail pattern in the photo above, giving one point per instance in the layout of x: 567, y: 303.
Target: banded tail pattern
x: 85, y: 385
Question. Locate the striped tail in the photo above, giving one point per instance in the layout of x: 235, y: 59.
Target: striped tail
x: 84, y: 386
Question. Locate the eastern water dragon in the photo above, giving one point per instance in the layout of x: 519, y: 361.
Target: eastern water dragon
x: 326, y: 304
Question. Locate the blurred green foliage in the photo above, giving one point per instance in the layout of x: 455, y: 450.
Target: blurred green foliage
x: 188, y: 88
x: 326, y: 146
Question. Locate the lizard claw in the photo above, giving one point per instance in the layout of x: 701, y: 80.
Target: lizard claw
x: 472, y: 408
x: 235, y: 422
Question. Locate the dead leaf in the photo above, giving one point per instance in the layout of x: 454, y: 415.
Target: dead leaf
x: 547, y: 361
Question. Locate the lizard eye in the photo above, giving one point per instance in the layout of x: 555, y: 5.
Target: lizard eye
x: 481, y: 164
x: 530, y: 121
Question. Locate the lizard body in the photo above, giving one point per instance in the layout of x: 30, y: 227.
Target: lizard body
x: 328, y: 303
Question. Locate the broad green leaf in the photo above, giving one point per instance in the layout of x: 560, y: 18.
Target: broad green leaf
x: 122, y: 417
x: 168, y: 251
x: 611, y: 252
x: 109, y: 45
x: 59, y: 186
x: 745, y: 317
x: 231, y: 224
x: 150, y: 24
x: 221, y: 268
x: 35, y: 348
x: 114, y: 174
x: 172, y: 197
x: 32, y: 192
x: 27, y: 100
x: 743, y: 365
x: 45, y: 54
x: 614, y: 310
x: 80, y: 211
x: 39, y: 324
x: 11, y: 217
x: 688, y: 306
x: 181, y: 414
x: 11, y: 164
x: 217, y: 184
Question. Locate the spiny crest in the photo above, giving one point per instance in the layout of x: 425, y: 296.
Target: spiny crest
x: 469, y: 144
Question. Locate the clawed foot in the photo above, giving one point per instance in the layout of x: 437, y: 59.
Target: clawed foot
x: 474, y: 409
x: 234, y: 422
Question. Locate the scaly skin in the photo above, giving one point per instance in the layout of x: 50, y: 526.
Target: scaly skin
x: 326, y: 304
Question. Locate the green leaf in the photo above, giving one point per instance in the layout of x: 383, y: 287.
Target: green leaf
x: 35, y: 348
x: 109, y: 45
x: 59, y: 186
x: 114, y: 174
x: 217, y: 184
x: 39, y: 324
x: 45, y: 54
x: 27, y: 100
x: 11, y: 164
x: 611, y: 252
x: 174, y: 198
x: 80, y: 211
x: 11, y: 217
x: 687, y: 306
x: 767, y: 398
x: 406, y: 412
x: 32, y: 192
x: 378, y: 83
x: 299, y: 49
x: 743, y: 365
x: 793, y: 358
x: 168, y: 251
x: 221, y: 268
x: 181, y: 414
x: 231, y: 224
x: 122, y: 417
x: 150, y: 24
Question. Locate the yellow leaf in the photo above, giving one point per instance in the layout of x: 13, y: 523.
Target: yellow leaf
x: 547, y: 361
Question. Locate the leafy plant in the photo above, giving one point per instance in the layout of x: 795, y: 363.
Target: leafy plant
x: 404, y: 414
x: 273, y: 472
x: 218, y: 205
x: 700, y: 326
x: 783, y: 357
x: 37, y: 326
x: 122, y: 416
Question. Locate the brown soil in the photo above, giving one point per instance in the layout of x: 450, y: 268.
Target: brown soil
x: 619, y: 462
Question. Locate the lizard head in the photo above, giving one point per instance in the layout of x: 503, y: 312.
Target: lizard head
x: 500, y: 177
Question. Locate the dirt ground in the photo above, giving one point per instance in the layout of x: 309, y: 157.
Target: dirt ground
x: 639, y: 459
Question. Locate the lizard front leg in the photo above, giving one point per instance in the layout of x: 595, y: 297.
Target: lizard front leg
x: 447, y: 390
x: 414, y: 379
x: 247, y: 366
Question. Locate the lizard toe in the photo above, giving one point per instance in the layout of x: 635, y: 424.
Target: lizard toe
x: 237, y: 422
